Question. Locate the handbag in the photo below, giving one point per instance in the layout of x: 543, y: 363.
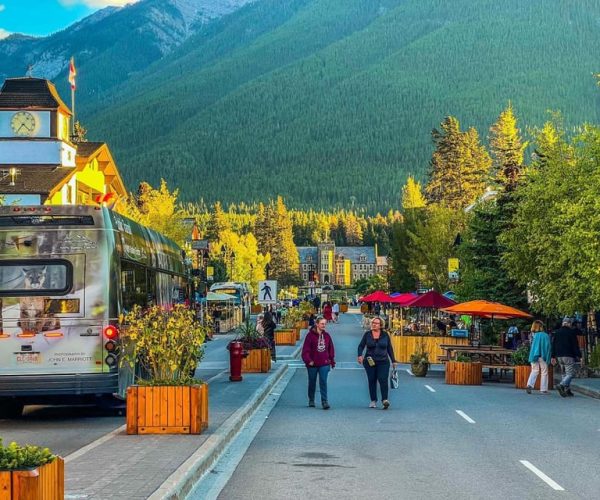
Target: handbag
x: 394, y: 382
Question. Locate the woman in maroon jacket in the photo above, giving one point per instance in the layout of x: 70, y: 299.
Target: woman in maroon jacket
x: 318, y: 355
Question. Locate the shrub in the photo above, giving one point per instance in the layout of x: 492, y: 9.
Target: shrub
x: 17, y: 457
x: 521, y: 355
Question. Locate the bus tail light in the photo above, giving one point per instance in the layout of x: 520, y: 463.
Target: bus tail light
x: 110, y: 346
x: 111, y: 359
x: 111, y: 332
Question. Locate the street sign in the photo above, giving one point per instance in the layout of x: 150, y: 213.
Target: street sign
x: 267, y: 292
x: 210, y: 273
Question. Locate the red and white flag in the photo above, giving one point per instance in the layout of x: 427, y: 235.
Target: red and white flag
x: 72, y: 73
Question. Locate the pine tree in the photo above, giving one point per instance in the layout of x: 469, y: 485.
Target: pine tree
x: 459, y: 166
x: 507, y: 149
x: 219, y: 222
x: 284, y: 256
x: 354, y: 233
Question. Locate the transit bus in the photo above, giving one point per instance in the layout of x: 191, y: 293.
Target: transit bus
x: 66, y: 275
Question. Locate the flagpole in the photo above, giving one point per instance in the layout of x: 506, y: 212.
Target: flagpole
x: 73, y: 111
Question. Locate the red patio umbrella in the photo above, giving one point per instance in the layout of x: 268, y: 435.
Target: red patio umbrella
x: 378, y: 296
x: 403, y: 299
x: 432, y: 300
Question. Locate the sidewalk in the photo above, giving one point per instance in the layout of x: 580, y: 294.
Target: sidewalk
x: 587, y: 386
x: 136, y: 467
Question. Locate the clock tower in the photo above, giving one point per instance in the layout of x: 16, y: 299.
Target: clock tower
x: 35, y: 147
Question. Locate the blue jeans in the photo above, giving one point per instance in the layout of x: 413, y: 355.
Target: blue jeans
x: 323, y: 372
x: 568, y: 366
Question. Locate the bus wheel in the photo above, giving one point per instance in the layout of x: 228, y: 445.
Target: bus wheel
x: 11, y: 408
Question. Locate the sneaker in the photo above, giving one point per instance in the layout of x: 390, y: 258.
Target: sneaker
x: 311, y: 404
x: 326, y: 405
x: 569, y: 393
x: 373, y: 404
x: 386, y: 404
x: 528, y: 389
x: 544, y: 393
x: 561, y: 390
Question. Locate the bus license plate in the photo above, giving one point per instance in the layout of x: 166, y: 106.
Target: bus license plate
x: 29, y: 358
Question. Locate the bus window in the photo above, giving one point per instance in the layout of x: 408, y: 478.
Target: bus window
x: 35, y: 277
x: 134, y: 289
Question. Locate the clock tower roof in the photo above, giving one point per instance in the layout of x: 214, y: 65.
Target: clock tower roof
x: 31, y: 93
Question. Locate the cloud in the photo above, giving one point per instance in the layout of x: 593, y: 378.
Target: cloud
x: 4, y: 33
x: 2, y: 7
x: 97, y: 3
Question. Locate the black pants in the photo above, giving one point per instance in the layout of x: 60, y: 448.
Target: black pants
x: 378, y: 373
x: 271, y: 338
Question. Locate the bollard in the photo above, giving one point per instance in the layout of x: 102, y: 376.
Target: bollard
x: 236, y: 353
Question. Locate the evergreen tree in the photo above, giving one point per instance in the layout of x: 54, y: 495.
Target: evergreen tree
x: 458, y: 168
x: 507, y: 149
x: 354, y: 233
x: 219, y: 222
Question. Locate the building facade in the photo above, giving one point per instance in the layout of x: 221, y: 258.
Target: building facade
x: 39, y: 162
x: 327, y: 264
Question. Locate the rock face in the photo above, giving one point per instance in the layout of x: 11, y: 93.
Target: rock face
x: 112, y: 43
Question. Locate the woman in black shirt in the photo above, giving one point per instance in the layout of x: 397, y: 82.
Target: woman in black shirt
x: 376, y: 361
x: 269, y: 332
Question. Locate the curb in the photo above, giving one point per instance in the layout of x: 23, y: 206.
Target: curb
x: 586, y: 391
x: 179, y: 484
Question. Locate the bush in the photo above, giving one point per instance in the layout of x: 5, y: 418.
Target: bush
x: 250, y: 337
x: 17, y: 457
x: 165, y: 344
x: 521, y: 355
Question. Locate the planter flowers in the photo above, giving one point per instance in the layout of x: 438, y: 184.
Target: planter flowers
x: 30, y: 472
x: 164, y: 348
x: 258, y: 358
x: 419, y: 361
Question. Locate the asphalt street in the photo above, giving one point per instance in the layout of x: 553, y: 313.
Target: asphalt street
x: 436, y: 441
x: 65, y: 429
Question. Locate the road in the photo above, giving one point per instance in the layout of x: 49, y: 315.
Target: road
x: 505, y: 444
x: 65, y: 429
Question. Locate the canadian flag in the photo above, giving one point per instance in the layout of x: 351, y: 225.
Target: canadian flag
x: 72, y: 73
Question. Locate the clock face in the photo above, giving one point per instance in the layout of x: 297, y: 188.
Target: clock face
x: 23, y: 123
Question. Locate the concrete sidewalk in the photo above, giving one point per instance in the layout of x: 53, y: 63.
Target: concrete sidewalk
x: 587, y: 386
x: 166, y: 466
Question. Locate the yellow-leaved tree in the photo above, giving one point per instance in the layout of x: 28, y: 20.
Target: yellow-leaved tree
x: 157, y: 209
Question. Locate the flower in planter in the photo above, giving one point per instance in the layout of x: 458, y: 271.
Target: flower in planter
x: 165, y: 345
x: 250, y: 338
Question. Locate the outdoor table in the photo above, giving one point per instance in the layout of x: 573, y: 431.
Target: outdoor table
x: 491, y: 357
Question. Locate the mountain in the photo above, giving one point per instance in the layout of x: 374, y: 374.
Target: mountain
x: 112, y: 45
x: 332, y: 102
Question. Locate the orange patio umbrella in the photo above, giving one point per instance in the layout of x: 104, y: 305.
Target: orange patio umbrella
x: 487, y: 309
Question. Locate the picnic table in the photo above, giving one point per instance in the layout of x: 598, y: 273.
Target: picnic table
x: 491, y: 356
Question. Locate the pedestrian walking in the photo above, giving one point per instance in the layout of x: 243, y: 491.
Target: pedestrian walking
x: 327, y: 312
x: 269, y: 332
x: 376, y: 361
x: 318, y: 354
x: 565, y: 352
x: 539, y: 357
x: 335, y: 309
x: 259, y: 324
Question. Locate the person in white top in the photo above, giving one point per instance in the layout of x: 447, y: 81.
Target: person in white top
x: 336, y: 312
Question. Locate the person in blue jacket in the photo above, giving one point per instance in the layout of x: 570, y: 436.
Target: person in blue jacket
x: 540, y: 356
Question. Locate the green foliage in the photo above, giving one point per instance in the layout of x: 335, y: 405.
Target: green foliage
x: 552, y: 246
x: 17, y: 457
x: 595, y: 357
x: 420, y: 356
x: 507, y: 149
x: 463, y: 358
x: 330, y: 102
x: 166, y: 345
x: 459, y: 166
x: 521, y: 355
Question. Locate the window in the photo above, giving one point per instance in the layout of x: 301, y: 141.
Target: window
x: 304, y: 276
x: 134, y: 288
x: 35, y: 277
x: 47, y: 220
x: 362, y: 258
x: 309, y: 258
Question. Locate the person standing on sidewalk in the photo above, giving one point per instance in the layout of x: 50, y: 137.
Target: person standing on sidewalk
x: 318, y: 354
x: 377, y: 360
x: 539, y: 357
x: 335, y: 309
x: 269, y: 326
x: 565, y: 351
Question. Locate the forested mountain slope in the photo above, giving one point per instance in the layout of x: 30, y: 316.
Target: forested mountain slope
x: 333, y: 101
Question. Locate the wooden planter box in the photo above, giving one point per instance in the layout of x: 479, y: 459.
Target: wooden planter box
x: 43, y: 483
x: 522, y: 373
x: 344, y: 308
x: 285, y: 336
x: 305, y: 324
x: 458, y: 373
x: 256, y: 309
x: 257, y: 361
x: 167, y: 409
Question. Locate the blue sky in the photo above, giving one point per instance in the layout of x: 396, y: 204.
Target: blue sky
x: 43, y: 17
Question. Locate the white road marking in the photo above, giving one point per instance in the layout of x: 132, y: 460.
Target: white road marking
x: 94, y: 444
x: 550, y: 482
x: 408, y: 370
x: 429, y: 388
x: 465, y: 416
